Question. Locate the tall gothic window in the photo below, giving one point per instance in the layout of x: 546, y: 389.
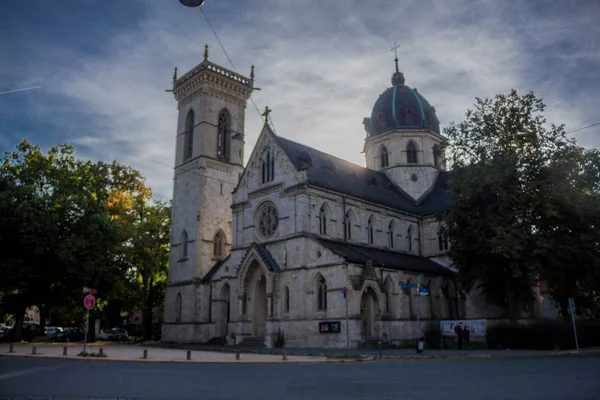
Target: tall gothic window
x: 348, y: 225
x: 219, y: 244
x: 410, y: 238
x: 321, y: 294
x: 442, y: 239
x: 268, y: 167
x: 178, y: 308
x: 391, y: 234
x: 384, y: 156
x: 411, y: 153
x: 183, y: 246
x: 188, y: 145
x: 287, y: 299
x: 323, y: 220
x: 371, y: 230
x: 223, y: 135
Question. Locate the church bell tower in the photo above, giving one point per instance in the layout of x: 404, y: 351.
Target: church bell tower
x: 209, y: 153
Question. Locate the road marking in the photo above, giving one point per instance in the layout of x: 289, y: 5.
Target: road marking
x: 28, y: 371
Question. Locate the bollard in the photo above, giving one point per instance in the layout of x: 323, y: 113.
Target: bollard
x: 284, y: 355
x: 11, y: 348
x: 65, y: 351
x: 100, y: 351
x: 237, y: 355
x: 145, y: 354
x: 189, y: 355
x: 34, y: 350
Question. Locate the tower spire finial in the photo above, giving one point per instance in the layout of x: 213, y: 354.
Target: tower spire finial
x: 175, y: 75
x: 397, y: 77
x: 206, y: 52
x: 252, y: 72
x: 266, y: 114
x: 395, y: 50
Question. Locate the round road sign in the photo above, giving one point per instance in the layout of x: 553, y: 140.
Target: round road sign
x: 89, y: 302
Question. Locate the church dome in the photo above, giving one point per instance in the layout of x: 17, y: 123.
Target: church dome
x: 402, y: 108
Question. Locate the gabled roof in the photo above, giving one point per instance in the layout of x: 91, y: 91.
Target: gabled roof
x: 211, y: 272
x: 338, y: 175
x: 358, y: 254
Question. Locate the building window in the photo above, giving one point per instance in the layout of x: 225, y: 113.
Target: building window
x: 411, y: 153
x: 268, y: 220
x: 410, y: 238
x: 219, y: 244
x: 384, y: 155
x: 348, y: 225
x: 183, y: 246
x: 391, y: 234
x: 268, y: 167
x: 443, y: 239
x: 188, y: 145
x: 436, y: 155
x: 323, y: 220
x: 371, y: 230
x: 321, y: 294
x: 287, y: 299
x: 223, y: 135
x: 178, y: 308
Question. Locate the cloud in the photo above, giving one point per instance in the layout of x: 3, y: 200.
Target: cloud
x: 321, y: 66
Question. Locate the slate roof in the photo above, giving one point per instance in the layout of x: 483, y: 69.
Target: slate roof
x: 333, y: 173
x: 389, y: 259
x: 206, y: 278
x: 440, y: 197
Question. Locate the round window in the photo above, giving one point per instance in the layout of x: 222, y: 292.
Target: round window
x: 268, y: 220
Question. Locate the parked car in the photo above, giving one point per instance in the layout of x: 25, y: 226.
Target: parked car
x: 52, y: 331
x: 102, y: 336
x: 70, y: 335
x: 118, y: 334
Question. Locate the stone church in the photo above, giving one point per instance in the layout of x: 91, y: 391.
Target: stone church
x: 299, y: 243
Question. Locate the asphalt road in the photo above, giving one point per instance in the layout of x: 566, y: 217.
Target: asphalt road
x: 573, y: 378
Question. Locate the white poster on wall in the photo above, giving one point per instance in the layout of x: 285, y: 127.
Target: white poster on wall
x: 476, y: 326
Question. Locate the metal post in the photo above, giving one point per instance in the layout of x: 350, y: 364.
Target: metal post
x: 347, y: 329
x: 87, y: 327
x: 418, y: 310
x: 572, y: 307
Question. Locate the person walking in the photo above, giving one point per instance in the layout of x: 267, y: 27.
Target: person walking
x: 458, y: 329
x: 467, y: 337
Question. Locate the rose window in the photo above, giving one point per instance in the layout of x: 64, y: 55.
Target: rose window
x: 268, y: 220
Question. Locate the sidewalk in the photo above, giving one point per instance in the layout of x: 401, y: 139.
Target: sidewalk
x: 116, y: 352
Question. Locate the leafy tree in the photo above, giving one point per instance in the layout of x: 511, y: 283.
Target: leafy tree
x: 500, y: 154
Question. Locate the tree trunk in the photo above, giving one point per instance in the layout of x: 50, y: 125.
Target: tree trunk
x: 147, y: 312
x: 43, y: 317
x: 20, y: 317
x: 511, y: 304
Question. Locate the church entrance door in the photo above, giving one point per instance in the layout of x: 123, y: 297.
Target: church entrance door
x: 370, y: 314
x: 259, y: 320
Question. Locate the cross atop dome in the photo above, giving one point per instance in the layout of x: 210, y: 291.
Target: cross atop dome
x: 397, y: 77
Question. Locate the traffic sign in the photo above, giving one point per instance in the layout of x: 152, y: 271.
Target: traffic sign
x: 409, y: 285
x: 89, y: 301
x: 423, y: 291
x: 88, y: 290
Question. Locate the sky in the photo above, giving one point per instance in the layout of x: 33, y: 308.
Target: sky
x: 104, y: 65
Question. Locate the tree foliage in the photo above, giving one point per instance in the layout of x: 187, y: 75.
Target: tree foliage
x: 521, y: 196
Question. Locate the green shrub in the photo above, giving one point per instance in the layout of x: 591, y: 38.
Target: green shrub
x: 433, y: 335
x: 280, y: 339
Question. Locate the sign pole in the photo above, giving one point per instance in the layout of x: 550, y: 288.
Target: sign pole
x: 87, y: 327
x: 419, y: 310
x: 572, y: 307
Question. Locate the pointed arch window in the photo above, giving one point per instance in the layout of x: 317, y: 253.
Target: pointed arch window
x: 183, y: 246
x: 287, y: 299
x: 409, y: 235
x: 188, y: 146
x: 268, y: 167
x: 323, y: 220
x: 219, y: 244
x: 348, y: 225
x: 178, y: 308
x: 442, y: 239
x: 223, y: 135
x: 411, y: 153
x: 391, y: 234
x: 321, y: 294
x: 384, y: 157
x: 371, y: 230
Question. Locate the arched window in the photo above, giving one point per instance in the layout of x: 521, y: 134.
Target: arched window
x: 411, y: 153
x: 321, y: 294
x: 178, y: 308
x: 223, y: 135
x: 188, y: 145
x: 436, y: 155
x: 268, y: 167
x: 323, y: 220
x: 384, y: 156
x: 348, y: 225
x: 443, y: 238
x: 409, y: 235
x: 391, y: 234
x: 183, y: 246
x: 371, y: 230
x: 219, y: 244
x: 287, y: 299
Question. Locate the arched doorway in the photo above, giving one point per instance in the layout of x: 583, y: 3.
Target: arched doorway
x: 259, y: 319
x: 370, y: 314
x: 224, y: 311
